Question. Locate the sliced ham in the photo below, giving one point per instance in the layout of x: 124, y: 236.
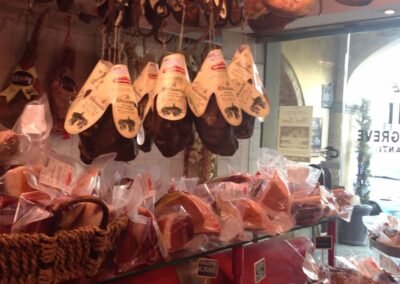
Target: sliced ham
x: 176, y: 229
x: 254, y: 215
x: 277, y: 196
x: 204, y: 218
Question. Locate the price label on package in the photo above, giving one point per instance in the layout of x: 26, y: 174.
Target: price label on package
x: 56, y: 174
x: 259, y: 270
x: 207, y: 268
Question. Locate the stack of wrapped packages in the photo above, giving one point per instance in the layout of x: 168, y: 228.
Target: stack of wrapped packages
x: 384, y: 239
x: 349, y: 270
x: 167, y: 218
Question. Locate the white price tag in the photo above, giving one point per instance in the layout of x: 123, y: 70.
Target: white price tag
x: 57, y: 174
x: 207, y: 268
x: 259, y: 270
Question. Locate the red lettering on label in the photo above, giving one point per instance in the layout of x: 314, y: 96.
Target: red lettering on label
x: 122, y: 80
x: 219, y: 66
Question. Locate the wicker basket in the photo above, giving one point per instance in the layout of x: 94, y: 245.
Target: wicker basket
x: 62, y: 256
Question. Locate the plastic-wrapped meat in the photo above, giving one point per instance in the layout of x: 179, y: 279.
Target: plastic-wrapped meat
x: 63, y: 88
x: 177, y: 230
x: 172, y: 136
x: 204, y: 218
x: 246, y: 128
x: 215, y: 132
x: 23, y: 85
x: 9, y: 143
x: 138, y: 244
x: 103, y: 137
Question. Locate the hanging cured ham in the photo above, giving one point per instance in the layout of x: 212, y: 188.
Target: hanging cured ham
x: 269, y: 24
x: 290, y: 8
x: 172, y: 120
x: 248, y: 86
x: 105, y: 114
x: 24, y: 85
x: 215, y: 106
x: 63, y: 88
x: 355, y: 2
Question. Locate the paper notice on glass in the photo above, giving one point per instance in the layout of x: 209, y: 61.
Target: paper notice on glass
x: 294, y: 133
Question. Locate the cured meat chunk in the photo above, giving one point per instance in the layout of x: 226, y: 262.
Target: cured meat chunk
x: 172, y: 136
x: 177, y: 230
x: 204, y: 218
x: 102, y: 138
x: 215, y: 132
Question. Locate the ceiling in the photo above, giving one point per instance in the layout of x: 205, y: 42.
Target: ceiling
x: 333, y: 13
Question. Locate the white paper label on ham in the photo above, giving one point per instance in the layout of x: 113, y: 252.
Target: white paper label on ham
x: 57, y: 174
x: 90, y: 103
x: 145, y: 84
x: 171, y: 87
x: 247, y: 84
x: 124, y: 104
x: 33, y: 120
x: 213, y: 79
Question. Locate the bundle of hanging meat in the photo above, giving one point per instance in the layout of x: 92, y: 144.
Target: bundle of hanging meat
x: 23, y: 85
x: 215, y: 106
x: 272, y: 16
x: 105, y: 114
x: 63, y: 88
x: 172, y: 120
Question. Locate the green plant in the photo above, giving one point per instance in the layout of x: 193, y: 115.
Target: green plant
x: 363, y: 153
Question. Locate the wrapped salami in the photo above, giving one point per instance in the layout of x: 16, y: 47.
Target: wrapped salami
x: 24, y: 85
x: 63, y: 88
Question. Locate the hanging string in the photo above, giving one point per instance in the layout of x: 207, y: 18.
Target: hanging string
x: 244, y: 25
x: 211, y: 30
x: 162, y: 36
x: 103, y: 42
x: 182, y: 3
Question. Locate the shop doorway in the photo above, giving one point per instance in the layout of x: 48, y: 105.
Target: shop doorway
x: 373, y: 92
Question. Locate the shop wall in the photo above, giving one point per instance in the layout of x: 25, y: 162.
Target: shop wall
x: 315, y: 62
